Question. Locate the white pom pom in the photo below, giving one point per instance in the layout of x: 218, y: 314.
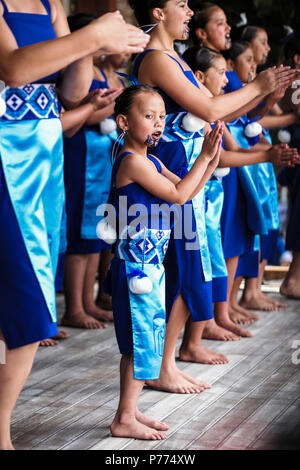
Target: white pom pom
x: 140, y: 284
x: 284, y: 136
x: 106, y: 232
x: 221, y: 172
x: 191, y: 123
x: 107, y: 126
x: 253, y: 129
x: 2, y: 107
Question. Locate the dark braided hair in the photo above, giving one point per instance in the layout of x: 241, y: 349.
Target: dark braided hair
x: 125, y: 100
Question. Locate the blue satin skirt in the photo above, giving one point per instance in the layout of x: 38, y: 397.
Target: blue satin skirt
x: 32, y: 198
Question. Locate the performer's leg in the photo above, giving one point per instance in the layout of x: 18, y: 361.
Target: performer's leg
x: 13, y: 375
x: 103, y: 299
x: 191, y: 349
x: 88, y: 295
x: 237, y: 312
x: 128, y: 421
x: 290, y: 286
x: 75, y: 316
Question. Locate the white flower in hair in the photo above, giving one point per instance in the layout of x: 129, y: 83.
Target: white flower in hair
x: 140, y: 284
x: 107, y: 126
x: 284, y: 136
x: 191, y: 123
x: 106, y: 232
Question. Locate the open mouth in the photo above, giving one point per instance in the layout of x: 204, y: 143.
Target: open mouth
x: 228, y: 41
x: 156, y: 135
x: 186, y: 28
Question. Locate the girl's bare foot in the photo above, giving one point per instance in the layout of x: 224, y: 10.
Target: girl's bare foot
x: 239, y: 317
x: 191, y: 379
x: 128, y: 426
x: 228, y: 324
x: 274, y: 302
x: 82, y: 320
x: 254, y: 302
x: 173, y: 381
x: 216, y: 332
x: 54, y: 340
x: 151, y: 423
x: 104, y: 301
x: 98, y: 313
x: 202, y: 356
x: 290, y: 287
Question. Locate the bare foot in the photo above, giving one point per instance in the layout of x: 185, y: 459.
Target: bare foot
x: 228, y: 324
x: 216, y: 332
x: 202, y: 356
x: 239, y: 317
x: 54, y: 340
x: 173, y: 381
x: 151, y: 423
x: 277, y: 304
x: 290, y: 288
x: 97, y: 312
x: 104, y: 301
x: 238, y: 308
x: 129, y: 426
x: 82, y: 320
x: 191, y: 379
x: 256, y: 303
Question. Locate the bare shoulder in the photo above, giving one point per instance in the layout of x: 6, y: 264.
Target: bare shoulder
x: 1, y: 9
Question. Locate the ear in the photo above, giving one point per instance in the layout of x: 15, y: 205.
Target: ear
x: 157, y: 14
x: 201, y: 34
x: 230, y: 65
x: 296, y: 59
x: 200, y: 76
x: 122, y: 122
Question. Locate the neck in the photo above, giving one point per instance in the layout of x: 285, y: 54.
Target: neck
x: 160, y: 39
x: 134, y: 147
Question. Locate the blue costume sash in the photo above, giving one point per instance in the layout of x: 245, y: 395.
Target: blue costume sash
x: 255, y: 215
x: 97, y: 178
x: 214, y: 196
x: 145, y: 252
x: 31, y: 153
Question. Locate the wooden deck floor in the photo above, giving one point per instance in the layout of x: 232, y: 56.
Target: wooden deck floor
x: 254, y: 403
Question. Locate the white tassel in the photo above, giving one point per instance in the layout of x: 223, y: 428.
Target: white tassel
x: 107, y: 126
x: 191, y: 123
x: 284, y: 136
x: 106, y: 232
x: 253, y: 129
x: 221, y: 172
x: 140, y: 284
x: 2, y: 107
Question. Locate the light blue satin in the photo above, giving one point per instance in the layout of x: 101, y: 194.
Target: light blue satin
x: 193, y: 148
x: 145, y: 252
x: 214, y: 197
x: 32, y: 158
x: 148, y: 322
x: 97, y: 178
x: 255, y: 215
x: 264, y: 178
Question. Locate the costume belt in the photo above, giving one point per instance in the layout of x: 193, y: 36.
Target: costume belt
x: 31, y: 101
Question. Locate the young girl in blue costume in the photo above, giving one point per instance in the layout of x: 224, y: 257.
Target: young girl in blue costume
x: 209, y: 68
x: 34, y: 44
x: 141, y: 184
x: 87, y: 178
x: 188, y: 277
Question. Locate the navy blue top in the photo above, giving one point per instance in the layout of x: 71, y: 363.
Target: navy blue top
x: 136, y: 194
x: 31, y: 28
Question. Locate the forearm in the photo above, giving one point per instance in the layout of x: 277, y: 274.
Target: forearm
x: 243, y: 110
x: 278, y: 121
x: 192, y: 183
x: 101, y: 114
x: 207, y: 175
x: 74, y: 119
x: 240, y: 158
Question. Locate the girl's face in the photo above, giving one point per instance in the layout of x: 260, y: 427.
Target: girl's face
x: 176, y: 17
x: 245, y: 66
x: 217, y: 31
x: 215, y: 77
x: 146, y: 118
x: 260, y: 47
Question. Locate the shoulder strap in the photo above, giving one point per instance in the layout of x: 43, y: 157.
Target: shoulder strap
x: 116, y: 166
x: 47, y: 6
x: 141, y: 56
x: 156, y: 162
x: 5, y: 7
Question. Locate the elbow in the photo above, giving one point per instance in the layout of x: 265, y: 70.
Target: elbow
x: 11, y: 78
